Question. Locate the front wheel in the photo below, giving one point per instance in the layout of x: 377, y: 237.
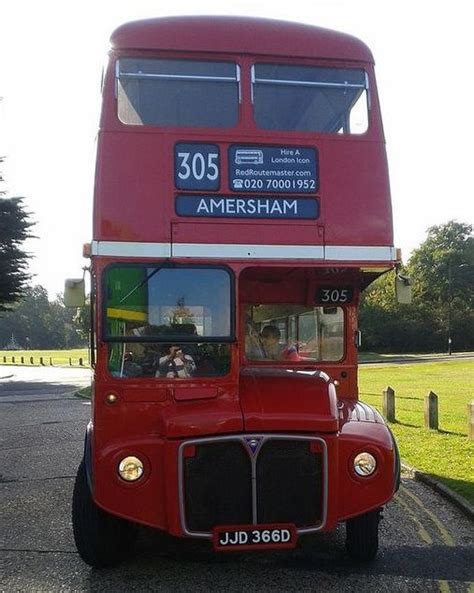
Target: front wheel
x: 101, y: 539
x: 362, y: 536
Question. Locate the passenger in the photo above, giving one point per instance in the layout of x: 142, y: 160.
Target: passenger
x: 176, y: 364
x: 271, y: 347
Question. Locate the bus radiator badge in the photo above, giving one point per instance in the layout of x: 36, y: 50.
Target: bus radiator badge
x: 253, y: 444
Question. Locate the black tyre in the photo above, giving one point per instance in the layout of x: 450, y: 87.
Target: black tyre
x: 362, y: 536
x: 101, y: 539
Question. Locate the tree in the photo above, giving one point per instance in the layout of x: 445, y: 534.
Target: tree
x: 442, y: 271
x: 14, y: 229
x: 39, y: 323
x: 441, y: 263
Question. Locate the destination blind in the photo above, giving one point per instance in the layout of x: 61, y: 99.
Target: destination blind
x: 247, y: 206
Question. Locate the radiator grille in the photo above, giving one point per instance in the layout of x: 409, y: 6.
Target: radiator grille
x: 216, y: 485
x: 288, y: 483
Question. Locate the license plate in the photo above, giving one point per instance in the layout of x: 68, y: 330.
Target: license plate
x: 254, y: 537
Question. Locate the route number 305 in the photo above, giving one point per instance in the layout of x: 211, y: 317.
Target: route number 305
x: 196, y: 166
x: 334, y: 295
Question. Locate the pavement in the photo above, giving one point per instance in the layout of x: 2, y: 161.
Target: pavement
x: 417, y: 358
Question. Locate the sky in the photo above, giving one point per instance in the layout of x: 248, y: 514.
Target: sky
x: 51, y: 58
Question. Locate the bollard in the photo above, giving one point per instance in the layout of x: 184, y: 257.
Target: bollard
x: 50, y: 362
x: 5, y: 359
x: 431, y: 411
x: 470, y: 421
x: 80, y: 362
x: 32, y: 360
x: 41, y: 361
x: 70, y: 362
x: 22, y: 360
x: 13, y: 360
x: 389, y: 404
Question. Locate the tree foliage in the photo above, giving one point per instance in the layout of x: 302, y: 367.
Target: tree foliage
x: 442, y: 271
x: 442, y: 265
x: 15, y: 227
x: 35, y: 322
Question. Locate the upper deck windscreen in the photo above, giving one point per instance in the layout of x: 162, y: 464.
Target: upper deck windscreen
x: 177, y: 93
x: 305, y: 98
x: 190, y: 93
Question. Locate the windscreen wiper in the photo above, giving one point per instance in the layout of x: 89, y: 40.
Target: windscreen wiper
x: 143, y: 282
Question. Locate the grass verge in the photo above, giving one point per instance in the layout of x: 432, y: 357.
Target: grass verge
x: 57, y: 357
x: 85, y: 392
x: 446, y: 454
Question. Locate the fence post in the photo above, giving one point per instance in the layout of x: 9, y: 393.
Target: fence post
x: 13, y: 360
x: 50, y: 361
x: 70, y: 362
x: 80, y: 361
x: 470, y: 420
x: 41, y: 361
x: 32, y: 360
x: 22, y: 360
x: 389, y: 404
x: 4, y: 359
x: 431, y: 410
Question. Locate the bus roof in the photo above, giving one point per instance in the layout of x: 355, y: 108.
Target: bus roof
x: 241, y: 35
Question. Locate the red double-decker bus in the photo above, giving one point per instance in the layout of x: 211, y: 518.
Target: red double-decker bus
x: 241, y: 206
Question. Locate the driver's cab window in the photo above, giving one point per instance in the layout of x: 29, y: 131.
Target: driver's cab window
x: 295, y: 333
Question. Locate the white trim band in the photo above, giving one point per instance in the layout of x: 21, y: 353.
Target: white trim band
x: 130, y: 249
x: 346, y: 253
x: 239, y: 251
x: 359, y: 253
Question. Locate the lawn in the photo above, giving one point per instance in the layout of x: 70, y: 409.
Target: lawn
x: 446, y: 454
x: 57, y: 357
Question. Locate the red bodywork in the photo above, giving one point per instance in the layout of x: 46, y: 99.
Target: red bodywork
x: 134, y: 204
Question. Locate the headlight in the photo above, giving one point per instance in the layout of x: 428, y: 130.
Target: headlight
x: 130, y: 469
x: 364, y: 464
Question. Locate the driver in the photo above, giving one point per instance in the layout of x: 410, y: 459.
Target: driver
x: 271, y: 347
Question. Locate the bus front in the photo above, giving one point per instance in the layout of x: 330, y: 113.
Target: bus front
x: 241, y: 206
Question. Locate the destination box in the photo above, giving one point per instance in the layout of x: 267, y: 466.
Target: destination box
x: 215, y: 206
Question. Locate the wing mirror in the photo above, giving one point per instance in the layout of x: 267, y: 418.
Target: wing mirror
x: 75, y: 292
x: 403, y: 285
x: 358, y: 338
